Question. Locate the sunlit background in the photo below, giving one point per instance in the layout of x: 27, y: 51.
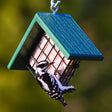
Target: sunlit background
x: 19, y: 91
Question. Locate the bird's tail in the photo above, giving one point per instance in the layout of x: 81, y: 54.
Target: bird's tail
x: 63, y: 101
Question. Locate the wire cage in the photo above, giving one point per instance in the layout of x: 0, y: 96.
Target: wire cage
x: 62, y: 68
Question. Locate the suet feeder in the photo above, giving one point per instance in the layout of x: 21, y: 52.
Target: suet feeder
x: 56, y: 38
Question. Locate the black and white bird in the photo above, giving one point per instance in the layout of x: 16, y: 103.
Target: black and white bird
x: 50, y: 84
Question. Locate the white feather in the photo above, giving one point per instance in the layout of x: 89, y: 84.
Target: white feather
x: 44, y: 85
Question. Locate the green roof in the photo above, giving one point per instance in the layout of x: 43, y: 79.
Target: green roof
x: 65, y: 33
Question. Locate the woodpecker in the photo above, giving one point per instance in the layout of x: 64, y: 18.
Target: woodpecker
x: 50, y: 83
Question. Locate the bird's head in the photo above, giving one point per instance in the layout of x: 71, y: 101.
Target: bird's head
x: 42, y: 66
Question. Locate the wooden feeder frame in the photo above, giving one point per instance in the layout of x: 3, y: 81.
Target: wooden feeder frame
x: 65, y: 33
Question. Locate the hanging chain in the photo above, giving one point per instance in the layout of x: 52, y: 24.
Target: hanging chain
x: 54, y: 5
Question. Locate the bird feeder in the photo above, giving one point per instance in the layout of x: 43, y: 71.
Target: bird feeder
x: 56, y: 38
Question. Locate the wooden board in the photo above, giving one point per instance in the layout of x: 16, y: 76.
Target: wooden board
x: 65, y: 33
x: 68, y: 36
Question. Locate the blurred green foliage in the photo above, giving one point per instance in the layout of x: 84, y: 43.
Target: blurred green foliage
x: 19, y: 91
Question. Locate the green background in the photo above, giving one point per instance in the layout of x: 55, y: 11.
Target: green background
x: 19, y: 91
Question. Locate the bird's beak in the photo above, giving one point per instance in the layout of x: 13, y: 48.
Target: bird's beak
x: 50, y: 64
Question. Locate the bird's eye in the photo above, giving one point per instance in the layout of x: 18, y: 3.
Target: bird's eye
x: 42, y: 65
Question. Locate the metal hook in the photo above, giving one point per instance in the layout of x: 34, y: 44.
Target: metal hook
x: 54, y: 5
